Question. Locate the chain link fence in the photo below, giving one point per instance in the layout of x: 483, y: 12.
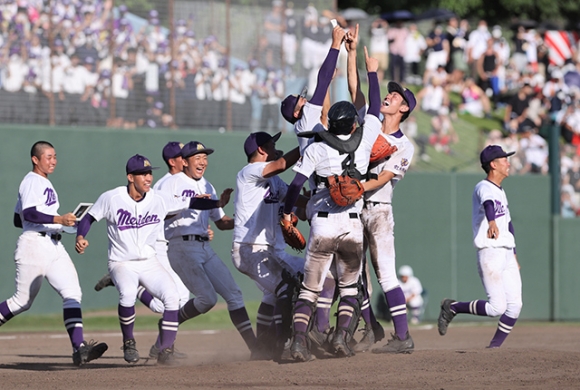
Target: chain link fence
x: 160, y: 64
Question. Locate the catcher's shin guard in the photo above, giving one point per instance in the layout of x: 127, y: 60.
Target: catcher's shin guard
x: 349, y: 313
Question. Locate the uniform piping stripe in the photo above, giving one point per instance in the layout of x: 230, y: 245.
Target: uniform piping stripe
x: 74, y: 325
x: 244, y: 328
x: 265, y: 323
x: 504, y: 328
x: 301, y: 316
x: 399, y: 313
x: 473, y: 307
x: 398, y: 308
x: 301, y: 321
x: 325, y: 300
x: 343, y: 309
x: 73, y: 320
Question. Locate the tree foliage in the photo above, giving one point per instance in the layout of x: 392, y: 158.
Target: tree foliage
x: 494, y: 11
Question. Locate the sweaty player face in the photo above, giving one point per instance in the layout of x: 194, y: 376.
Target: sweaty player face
x: 392, y: 103
x: 194, y: 166
x: 502, y: 166
x: 270, y: 149
x: 45, y: 164
x: 141, y: 181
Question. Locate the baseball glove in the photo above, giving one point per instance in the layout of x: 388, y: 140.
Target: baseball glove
x: 291, y: 234
x: 381, y: 149
x: 344, y: 190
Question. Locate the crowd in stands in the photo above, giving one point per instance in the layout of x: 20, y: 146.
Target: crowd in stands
x: 81, y: 59
x: 83, y: 62
x: 493, y: 71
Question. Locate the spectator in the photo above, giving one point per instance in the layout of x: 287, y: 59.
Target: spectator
x: 474, y: 101
x: 442, y: 131
x: 433, y: 97
x: 487, y: 70
x: 273, y: 30
x: 476, y: 45
x: 415, y: 45
x: 397, y: 36
x: 535, y: 151
x: 379, y: 46
x: 516, y: 112
x: 438, y: 51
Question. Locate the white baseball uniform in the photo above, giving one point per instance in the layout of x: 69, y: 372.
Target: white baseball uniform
x: 133, y: 229
x: 335, y: 230
x: 39, y: 252
x: 496, y: 255
x: 377, y: 214
x: 257, y: 229
x: 190, y: 253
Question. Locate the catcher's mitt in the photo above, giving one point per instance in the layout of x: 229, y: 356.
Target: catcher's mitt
x: 381, y: 149
x: 344, y: 190
x: 291, y: 234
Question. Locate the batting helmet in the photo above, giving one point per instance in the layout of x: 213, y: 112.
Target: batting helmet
x: 341, y: 117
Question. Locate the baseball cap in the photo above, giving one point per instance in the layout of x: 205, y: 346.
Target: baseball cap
x: 172, y: 150
x: 289, y: 105
x: 194, y: 147
x: 406, y: 270
x: 255, y: 140
x: 138, y: 164
x: 492, y: 152
x: 407, y: 95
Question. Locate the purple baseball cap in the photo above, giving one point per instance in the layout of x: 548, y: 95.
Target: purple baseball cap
x: 492, y: 152
x: 172, y: 150
x: 260, y: 138
x: 407, y: 95
x: 193, y: 148
x: 138, y: 164
x: 289, y: 105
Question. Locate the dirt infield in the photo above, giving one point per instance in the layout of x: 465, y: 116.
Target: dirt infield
x: 535, y: 356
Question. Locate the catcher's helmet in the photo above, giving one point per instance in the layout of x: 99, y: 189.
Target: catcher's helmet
x: 341, y: 117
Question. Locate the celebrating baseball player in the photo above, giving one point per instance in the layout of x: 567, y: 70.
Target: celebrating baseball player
x: 135, y: 215
x: 40, y: 254
x: 378, y: 221
x: 306, y: 114
x: 493, y: 236
x: 259, y: 192
x: 190, y: 253
x: 336, y: 230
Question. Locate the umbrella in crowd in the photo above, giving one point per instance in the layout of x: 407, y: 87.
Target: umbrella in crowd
x: 398, y: 16
x: 525, y: 23
x: 354, y: 14
x: 437, y: 14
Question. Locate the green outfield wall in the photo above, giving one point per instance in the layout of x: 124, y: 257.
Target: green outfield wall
x: 432, y: 218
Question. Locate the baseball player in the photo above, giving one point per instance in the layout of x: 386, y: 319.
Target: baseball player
x: 306, y: 114
x: 190, y: 253
x: 493, y: 236
x: 259, y: 192
x: 413, y: 290
x: 135, y: 215
x: 377, y: 217
x: 336, y: 231
x: 40, y: 254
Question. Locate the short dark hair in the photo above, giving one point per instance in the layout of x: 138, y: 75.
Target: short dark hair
x: 486, y: 167
x: 406, y: 114
x: 38, y: 147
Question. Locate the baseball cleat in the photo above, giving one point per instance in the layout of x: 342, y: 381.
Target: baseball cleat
x: 340, y: 346
x: 300, y: 351
x: 320, y: 342
x: 367, y: 340
x: 166, y: 357
x: 130, y: 353
x: 105, y: 281
x: 396, y: 345
x: 445, y: 316
x: 154, y: 352
x: 88, y: 351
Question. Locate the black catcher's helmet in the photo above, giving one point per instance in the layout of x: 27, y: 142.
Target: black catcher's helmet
x: 341, y: 117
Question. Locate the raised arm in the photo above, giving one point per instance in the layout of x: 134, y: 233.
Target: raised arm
x: 326, y: 71
x: 356, y: 95
x: 374, y: 87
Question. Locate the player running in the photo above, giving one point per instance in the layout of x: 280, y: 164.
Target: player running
x: 497, y: 264
x: 135, y: 215
x: 40, y: 254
